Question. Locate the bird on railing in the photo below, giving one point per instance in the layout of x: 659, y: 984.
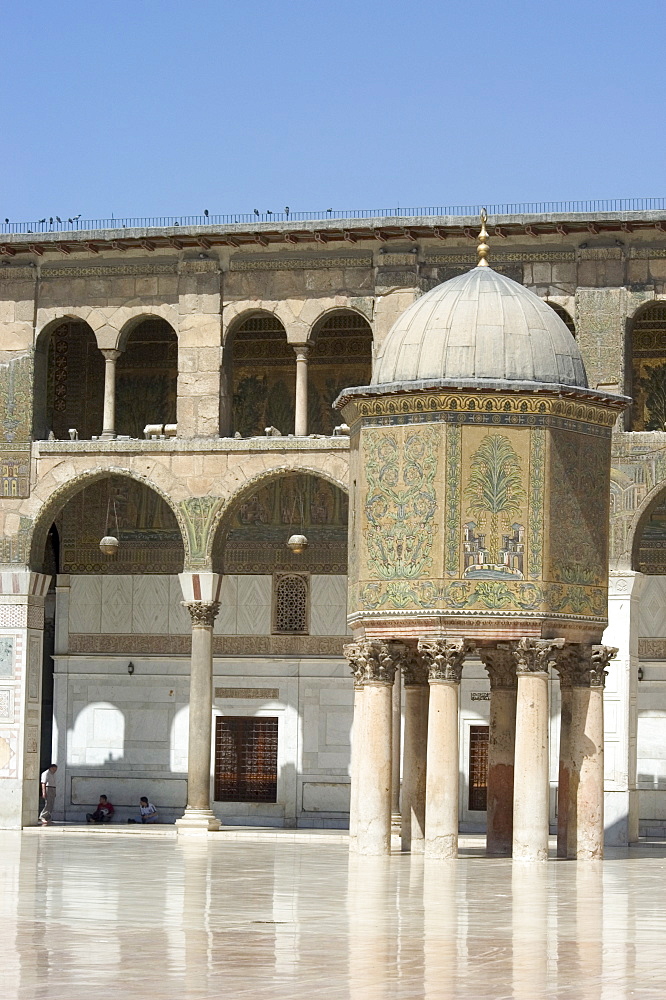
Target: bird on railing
x: 58, y: 219
x: 7, y: 221
x: 205, y: 213
x: 329, y: 210
x: 256, y: 212
x: 268, y: 211
x: 41, y: 220
x: 286, y: 210
x: 77, y: 217
x: 51, y: 221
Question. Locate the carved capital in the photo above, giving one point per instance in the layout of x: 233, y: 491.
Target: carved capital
x: 500, y: 662
x: 582, y: 664
x: 414, y: 668
x: 599, y: 660
x: 110, y: 354
x: 534, y: 656
x: 202, y: 613
x: 373, y: 660
x: 444, y: 658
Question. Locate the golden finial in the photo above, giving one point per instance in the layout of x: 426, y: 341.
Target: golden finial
x: 483, y: 247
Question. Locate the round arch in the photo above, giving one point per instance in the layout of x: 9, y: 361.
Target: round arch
x: 220, y: 520
x: 646, y: 367
x: 651, y: 506
x: 57, y: 500
x: 146, y: 375
x: 259, y: 374
x: 564, y: 315
x: 340, y: 356
x: 68, y: 379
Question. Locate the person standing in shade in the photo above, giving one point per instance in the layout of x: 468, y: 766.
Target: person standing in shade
x: 48, y: 786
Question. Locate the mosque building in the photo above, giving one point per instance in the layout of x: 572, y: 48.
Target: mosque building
x: 475, y: 527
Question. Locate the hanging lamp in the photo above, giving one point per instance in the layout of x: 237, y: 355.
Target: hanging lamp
x: 109, y: 544
x: 298, y: 542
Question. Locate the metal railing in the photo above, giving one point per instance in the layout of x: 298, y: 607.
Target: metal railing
x: 55, y: 224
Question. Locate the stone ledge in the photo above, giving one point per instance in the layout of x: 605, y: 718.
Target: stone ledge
x: 188, y: 445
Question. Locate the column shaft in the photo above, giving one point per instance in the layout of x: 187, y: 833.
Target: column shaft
x: 501, y: 752
x: 531, y: 785
x: 586, y: 841
x: 356, y: 747
x: 373, y: 817
x: 200, y: 724
x: 564, y: 824
x: 301, y: 422
x: 396, y: 736
x: 109, y: 418
x: 414, y: 768
x: 442, y: 780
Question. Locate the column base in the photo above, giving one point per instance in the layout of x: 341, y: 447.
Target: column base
x: 197, y: 822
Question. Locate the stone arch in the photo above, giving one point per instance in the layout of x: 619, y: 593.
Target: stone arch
x: 259, y: 369
x: 646, y: 366
x: 56, y: 500
x: 218, y: 520
x: 651, y: 502
x: 564, y: 315
x: 68, y: 379
x: 146, y: 374
x: 340, y: 356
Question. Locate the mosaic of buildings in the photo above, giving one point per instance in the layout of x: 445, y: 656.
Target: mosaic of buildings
x: 173, y: 387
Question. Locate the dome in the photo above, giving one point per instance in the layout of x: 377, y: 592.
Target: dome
x: 480, y: 327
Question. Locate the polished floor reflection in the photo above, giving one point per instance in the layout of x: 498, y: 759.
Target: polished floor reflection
x: 106, y: 917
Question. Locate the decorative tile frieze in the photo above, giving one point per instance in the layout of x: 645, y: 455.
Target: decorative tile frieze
x: 14, y: 273
x: 109, y: 270
x: 291, y: 263
x: 223, y: 645
x: 21, y: 616
x: 601, y: 253
x: 652, y: 649
x: 646, y: 253
x: 502, y: 257
x: 199, y: 266
x: 248, y: 694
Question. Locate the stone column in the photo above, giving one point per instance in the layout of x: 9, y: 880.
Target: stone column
x: 22, y: 596
x: 564, y: 770
x: 109, y: 419
x: 396, y: 737
x: 356, y: 744
x: 301, y: 423
x: 374, y: 662
x: 499, y: 661
x: 201, y: 591
x: 531, y: 790
x: 444, y: 659
x: 412, y: 828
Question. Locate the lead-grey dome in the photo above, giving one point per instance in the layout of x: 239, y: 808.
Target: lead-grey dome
x: 480, y: 327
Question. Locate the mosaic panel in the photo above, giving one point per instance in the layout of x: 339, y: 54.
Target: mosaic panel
x: 341, y: 356
x: 649, y: 369
x: 16, y: 400
x: 146, y: 376
x: 6, y: 655
x: 652, y: 546
x: 263, y: 377
x: 75, y: 381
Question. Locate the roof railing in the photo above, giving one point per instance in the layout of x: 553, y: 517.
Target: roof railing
x: 55, y: 224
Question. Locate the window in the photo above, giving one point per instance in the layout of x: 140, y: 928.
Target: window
x: 246, y: 750
x: 478, y: 768
x: 290, y: 603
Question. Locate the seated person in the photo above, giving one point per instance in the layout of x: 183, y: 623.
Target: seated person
x: 103, y: 813
x: 147, y: 810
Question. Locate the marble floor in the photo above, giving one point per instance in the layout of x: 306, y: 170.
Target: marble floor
x: 106, y: 917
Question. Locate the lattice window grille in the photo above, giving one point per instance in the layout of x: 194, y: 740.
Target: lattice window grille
x: 478, y: 768
x: 246, y: 759
x: 290, y: 602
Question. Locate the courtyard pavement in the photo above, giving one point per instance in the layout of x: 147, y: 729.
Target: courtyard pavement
x: 106, y: 917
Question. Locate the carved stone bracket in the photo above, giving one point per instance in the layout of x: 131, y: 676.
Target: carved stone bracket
x: 373, y: 660
x: 500, y: 662
x: 534, y: 656
x: 202, y: 613
x: 445, y: 657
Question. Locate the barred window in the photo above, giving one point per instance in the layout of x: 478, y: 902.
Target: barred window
x: 290, y: 603
x: 478, y: 768
x: 246, y: 759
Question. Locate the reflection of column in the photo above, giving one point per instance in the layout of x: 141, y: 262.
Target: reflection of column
x: 591, y: 936
x: 109, y: 420
x: 371, y: 924
x: 445, y: 661
x: 415, y: 674
x: 301, y: 424
x: 499, y: 662
x: 204, y: 588
x: 373, y: 662
x: 529, y: 930
x: 444, y: 932
x: 531, y: 789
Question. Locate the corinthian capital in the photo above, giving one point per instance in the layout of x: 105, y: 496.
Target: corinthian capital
x: 533, y: 656
x: 414, y: 668
x: 373, y: 660
x: 599, y: 660
x: 444, y: 657
x: 202, y: 613
x: 582, y: 664
x: 500, y: 662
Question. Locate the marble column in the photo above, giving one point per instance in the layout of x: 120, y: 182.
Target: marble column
x: 412, y: 826
x: 531, y: 789
x: 204, y: 588
x: 396, y: 737
x: 109, y: 419
x: 374, y: 663
x: 356, y: 744
x: 564, y: 770
x: 444, y: 659
x: 499, y: 661
x: 301, y: 422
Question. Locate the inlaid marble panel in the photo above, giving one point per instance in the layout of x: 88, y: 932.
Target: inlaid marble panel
x: 253, y: 616
x: 328, y: 605
x: 85, y: 604
x: 652, y: 623
x: 179, y: 619
x: 150, y: 605
x: 225, y: 623
x: 116, y: 603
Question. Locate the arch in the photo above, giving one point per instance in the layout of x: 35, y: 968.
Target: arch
x: 68, y: 380
x: 646, y: 368
x: 259, y: 368
x: 220, y: 521
x: 146, y: 375
x: 340, y: 356
x: 564, y: 316
x: 649, y: 510
x: 57, y: 500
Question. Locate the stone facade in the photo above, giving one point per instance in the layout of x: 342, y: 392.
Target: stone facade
x: 204, y: 282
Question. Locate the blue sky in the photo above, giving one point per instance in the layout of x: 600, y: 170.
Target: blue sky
x: 147, y: 107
